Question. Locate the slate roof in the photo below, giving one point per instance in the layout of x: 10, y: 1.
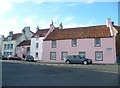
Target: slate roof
x: 14, y: 36
x: 100, y: 31
x: 40, y: 33
x: 24, y: 43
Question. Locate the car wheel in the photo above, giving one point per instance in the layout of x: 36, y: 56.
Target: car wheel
x: 85, y: 62
x: 67, y: 62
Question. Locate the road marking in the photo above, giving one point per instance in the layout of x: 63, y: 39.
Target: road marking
x: 105, y: 71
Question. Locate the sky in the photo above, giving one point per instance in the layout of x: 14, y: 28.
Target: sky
x: 17, y: 14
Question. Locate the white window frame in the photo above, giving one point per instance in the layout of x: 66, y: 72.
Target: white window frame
x: 62, y: 55
x: 99, y: 57
x: 51, y: 57
x: 74, y: 42
x: 82, y: 54
x: 97, y: 42
x: 53, y: 43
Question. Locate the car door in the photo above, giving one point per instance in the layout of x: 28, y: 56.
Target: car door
x: 80, y: 59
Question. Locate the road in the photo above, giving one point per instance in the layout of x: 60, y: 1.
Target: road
x: 32, y: 74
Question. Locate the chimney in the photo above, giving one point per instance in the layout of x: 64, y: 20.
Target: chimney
x: 11, y: 33
x: 60, y: 26
x: 25, y: 29
x: 113, y: 23
x: 52, y: 27
x: 37, y: 28
x: 109, y: 24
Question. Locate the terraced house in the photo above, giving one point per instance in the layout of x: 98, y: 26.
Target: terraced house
x: 94, y: 42
x: 36, y: 48
x: 12, y: 40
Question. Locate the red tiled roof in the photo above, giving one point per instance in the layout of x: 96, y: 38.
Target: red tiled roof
x: 24, y: 43
x: 80, y: 32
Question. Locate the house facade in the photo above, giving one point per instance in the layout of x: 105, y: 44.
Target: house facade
x: 93, y: 42
x: 12, y: 40
x: 37, y: 44
x: 23, y: 48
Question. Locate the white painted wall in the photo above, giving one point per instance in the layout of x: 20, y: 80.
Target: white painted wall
x: 33, y: 48
x: 10, y: 50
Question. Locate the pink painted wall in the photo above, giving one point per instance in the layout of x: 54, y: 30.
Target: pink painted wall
x: 21, y: 50
x: 86, y: 45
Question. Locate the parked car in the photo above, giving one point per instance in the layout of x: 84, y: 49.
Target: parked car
x: 10, y: 57
x: 30, y: 58
x: 3, y: 57
x: 77, y: 59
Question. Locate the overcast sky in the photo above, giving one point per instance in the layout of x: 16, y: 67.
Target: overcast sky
x: 17, y: 14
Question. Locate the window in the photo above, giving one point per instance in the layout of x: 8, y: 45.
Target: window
x: 53, y: 55
x: 98, y: 55
x: 8, y: 46
x: 97, y: 42
x: 36, y: 54
x: 64, y: 55
x: 54, y: 44
x: 37, y: 45
x: 82, y: 54
x: 5, y: 46
x: 5, y: 54
x: 28, y: 49
x: 11, y: 46
x: 74, y: 42
x: 9, y: 38
x: 10, y: 53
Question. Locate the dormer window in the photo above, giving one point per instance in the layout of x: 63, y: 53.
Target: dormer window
x: 97, y: 42
x: 9, y: 38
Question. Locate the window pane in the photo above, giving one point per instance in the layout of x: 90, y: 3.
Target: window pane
x: 82, y: 54
x: 99, y: 55
x: 74, y: 42
x: 37, y: 45
x: 53, y: 44
x: 4, y: 46
x: 64, y: 55
x: 97, y: 42
x: 53, y: 55
x: 36, y: 55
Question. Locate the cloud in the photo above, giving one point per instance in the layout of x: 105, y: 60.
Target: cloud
x: 9, y: 25
x: 68, y: 19
x: 29, y: 20
x: 71, y: 4
x: 4, y: 7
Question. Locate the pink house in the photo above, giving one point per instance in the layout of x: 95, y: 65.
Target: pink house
x: 23, y: 48
x: 94, y: 42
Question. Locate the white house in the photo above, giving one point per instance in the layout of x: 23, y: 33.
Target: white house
x: 12, y: 40
x: 36, y: 47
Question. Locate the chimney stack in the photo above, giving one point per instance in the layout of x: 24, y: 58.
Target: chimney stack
x: 52, y: 27
x: 11, y: 33
x: 110, y: 24
x: 60, y: 26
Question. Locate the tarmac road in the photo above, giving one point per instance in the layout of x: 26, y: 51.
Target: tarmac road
x: 32, y: 74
